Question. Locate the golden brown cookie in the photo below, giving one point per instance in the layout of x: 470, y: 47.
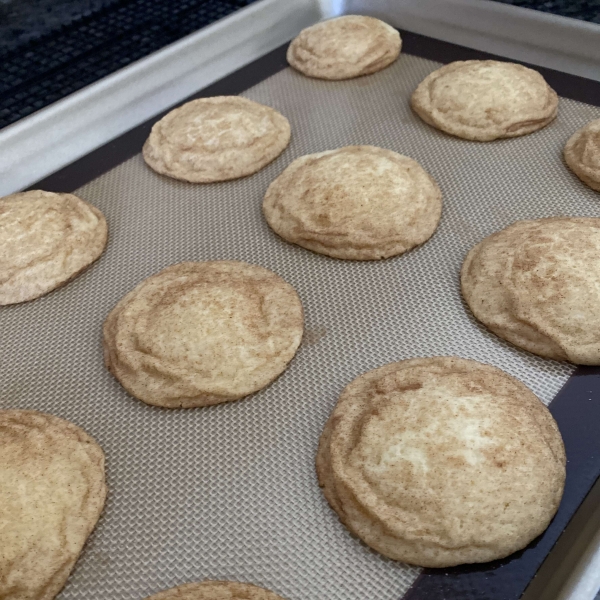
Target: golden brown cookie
x: 216, y: 139
x: 537, y: 285
x: 485, y: 100
x: 46, y: 239
x: 582, y: 154
x: 357, y: 202
x: 216, y: 590
x: 344, y: 47
x: 201, y: 333
x: 52, y: 491
x: 441, y: 461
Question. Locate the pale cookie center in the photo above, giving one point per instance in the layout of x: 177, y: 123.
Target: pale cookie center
x: 216, y: 130
x: 210, y: 328
x: 355, y: 193
x: 488, y: 94
x: 422, y: 437
x: 590, y: 155
x: 36, y: 500
x: 346, y: 42
x: 29, y: 232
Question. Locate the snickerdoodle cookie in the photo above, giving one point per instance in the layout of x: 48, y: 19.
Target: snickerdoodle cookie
x: 201, y: 333
x: 442, y: 461
x: 344, y: 47
x: 582, y: 154
x: 216, y: 139
x: 46, y: 239
x: 357, y: 202
x: 537, y: 285
x: 485, y: 100
x: 52, y: 491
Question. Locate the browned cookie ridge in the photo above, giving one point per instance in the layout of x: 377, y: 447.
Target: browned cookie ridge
x: 216, y: 590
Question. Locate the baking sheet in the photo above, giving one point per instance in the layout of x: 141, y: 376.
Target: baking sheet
x: 229, y: 492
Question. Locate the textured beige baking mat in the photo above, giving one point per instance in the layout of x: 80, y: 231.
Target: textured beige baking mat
x: 229, y: 492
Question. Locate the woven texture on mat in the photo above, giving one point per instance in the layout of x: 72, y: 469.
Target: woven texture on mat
x: 230, y: 492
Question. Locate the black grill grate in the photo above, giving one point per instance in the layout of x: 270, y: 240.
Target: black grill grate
x: 586, y: 10
x: 42, y: 71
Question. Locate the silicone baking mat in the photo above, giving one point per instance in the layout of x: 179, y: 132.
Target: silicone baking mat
x: 230, y: 492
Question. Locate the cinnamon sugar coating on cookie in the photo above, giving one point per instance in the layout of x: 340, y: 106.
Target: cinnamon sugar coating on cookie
x: 52, y: 491
x: 46, y: 239
x: 582, y: 154
x: 344, y: 47
x: 356, y: 203
x: 202, y: 333
x: 484, y: 100
x: 216, y: 590
x: 216, y: 139
x: 441, y: 461
x: 537, y: 284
